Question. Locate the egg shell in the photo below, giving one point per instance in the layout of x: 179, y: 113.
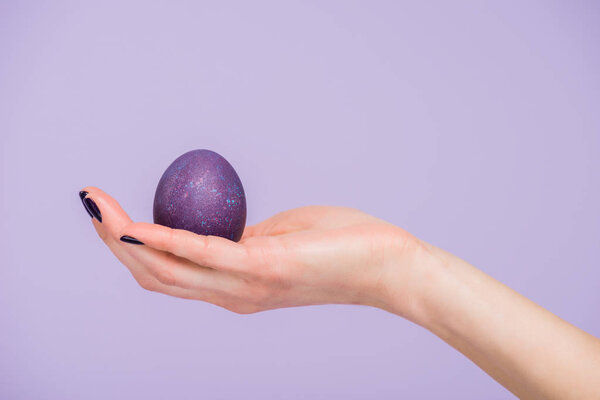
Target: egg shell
x: 201, y: 192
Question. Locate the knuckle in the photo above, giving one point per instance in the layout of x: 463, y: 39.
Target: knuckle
x: 205, y: 244
x: 169, y: 241
x: 203, y: 248
x: 165, y: 277
x: 236, y: 305
x: 148, y: 283
x: 243, y: 309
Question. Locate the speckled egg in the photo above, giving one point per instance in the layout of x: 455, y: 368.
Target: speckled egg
x: 201, y: 192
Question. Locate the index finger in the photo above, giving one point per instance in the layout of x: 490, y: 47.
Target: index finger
x: 209, y: 251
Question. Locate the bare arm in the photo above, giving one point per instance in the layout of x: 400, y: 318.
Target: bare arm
x: 321, y: 255
x: 527, y: 349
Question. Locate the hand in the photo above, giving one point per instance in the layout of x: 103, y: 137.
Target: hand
x: 318, y: 255
x: 306, y: 256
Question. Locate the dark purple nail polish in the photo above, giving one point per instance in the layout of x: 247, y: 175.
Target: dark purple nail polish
x: 92, y: 208
x: 82, y: 195
x: 129, y: 239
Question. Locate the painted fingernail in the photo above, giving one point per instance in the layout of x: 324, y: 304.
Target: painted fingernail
x: 92, y: 208
x: 129, y: 239
x: 82, y: 195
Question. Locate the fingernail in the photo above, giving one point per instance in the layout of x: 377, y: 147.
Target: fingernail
x: 82, y: 195
x: 129, y: 239
x: 92, y: 208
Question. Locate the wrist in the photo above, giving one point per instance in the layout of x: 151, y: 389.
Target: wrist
x: 409, y: 278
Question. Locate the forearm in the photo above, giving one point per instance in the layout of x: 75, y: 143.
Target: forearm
x: 527, y: 349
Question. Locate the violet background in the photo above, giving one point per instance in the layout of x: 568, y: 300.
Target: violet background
x: 474, y: 125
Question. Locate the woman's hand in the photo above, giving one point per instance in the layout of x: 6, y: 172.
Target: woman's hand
x: 309, y: 255
x: 318, y: 255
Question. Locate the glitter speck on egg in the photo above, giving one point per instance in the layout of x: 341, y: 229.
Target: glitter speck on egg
x: 201, y: 192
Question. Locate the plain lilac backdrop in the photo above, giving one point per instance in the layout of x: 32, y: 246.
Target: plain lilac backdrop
x: 474, y: 126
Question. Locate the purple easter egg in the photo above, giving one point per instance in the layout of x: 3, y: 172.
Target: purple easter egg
x: 201, y: 192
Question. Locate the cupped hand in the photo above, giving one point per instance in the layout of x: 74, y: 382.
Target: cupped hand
x: 305, y: 256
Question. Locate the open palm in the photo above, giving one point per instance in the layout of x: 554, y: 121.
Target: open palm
x: 308, y: 255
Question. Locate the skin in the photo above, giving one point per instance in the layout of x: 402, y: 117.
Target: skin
x: 324, y: 255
